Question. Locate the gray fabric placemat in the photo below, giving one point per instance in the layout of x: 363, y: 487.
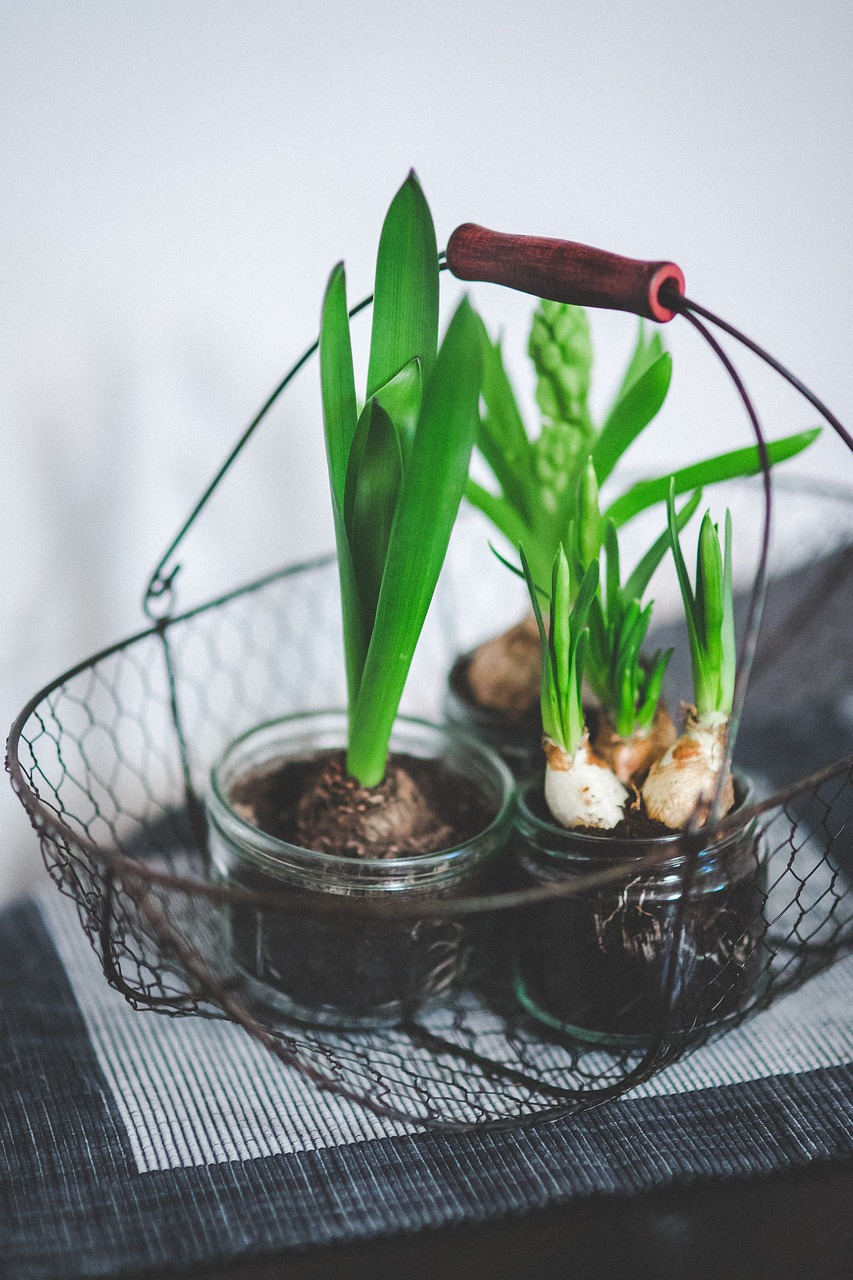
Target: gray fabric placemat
x: 130, y: 1140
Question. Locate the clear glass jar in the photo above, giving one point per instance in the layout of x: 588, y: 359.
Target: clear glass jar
x: 518, y: 742
x: 593, y: 964
x: 353, y: 970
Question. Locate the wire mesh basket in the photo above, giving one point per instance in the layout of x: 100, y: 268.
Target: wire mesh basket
x: 111, y: 762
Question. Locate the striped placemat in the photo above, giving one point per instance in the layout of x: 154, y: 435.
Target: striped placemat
x: 130, y: 1140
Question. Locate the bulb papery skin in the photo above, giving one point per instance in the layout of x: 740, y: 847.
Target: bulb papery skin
x: 631, y: 757
x: 580, y: 791
x: 683, y: 782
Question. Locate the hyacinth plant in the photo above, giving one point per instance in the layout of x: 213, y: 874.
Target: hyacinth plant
x: 397, y: 468
x: 682, y: 785
x: 633, y: 726
x: 537, y: 478
x: 580, y: 791
x: 599, y: 637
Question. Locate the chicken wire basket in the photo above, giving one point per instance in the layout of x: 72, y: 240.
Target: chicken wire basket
x: 112, y: 760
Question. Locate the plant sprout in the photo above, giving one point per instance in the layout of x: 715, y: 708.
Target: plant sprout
x: 397, y: 469
x: 579, y: 790
x: 537, y: 479
x: 634, y: 727
x: 681, y: 786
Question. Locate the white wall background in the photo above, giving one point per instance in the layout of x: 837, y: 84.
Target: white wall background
x: 179, y: 176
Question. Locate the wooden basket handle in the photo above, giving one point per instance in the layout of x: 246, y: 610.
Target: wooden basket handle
x: 564, y: 271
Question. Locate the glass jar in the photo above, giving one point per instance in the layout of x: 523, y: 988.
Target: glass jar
x: 518, y: 742
x: 593, y: 964
x: 349, y: 970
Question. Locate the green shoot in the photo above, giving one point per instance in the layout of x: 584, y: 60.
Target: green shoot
x: 709, y: 613
x: 397, y: 471
x: 538, y: 478
x: 564, y: 648
x: 627, y: 685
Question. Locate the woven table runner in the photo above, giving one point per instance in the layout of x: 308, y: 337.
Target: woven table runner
x: 131, y: 1140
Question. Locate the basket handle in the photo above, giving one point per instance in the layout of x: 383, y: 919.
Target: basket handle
x: 564, y: 271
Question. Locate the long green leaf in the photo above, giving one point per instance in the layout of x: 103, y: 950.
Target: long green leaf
x: 401, y: 400
x: 426, y: 509
x: 726, y: 466
x: 501, y: 438
x: 337, y: 383
x: 374, y: 475
x: 405, y: 300
x: 635, y: 587
x: 340, y: 414
x: 646, y: 351
x: 499, y: 512
x: 631, y: 414
x: 729, y: 666
x: 701, y: 686
x: 551, y: 722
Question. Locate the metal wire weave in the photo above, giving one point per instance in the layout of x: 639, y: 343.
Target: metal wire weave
x: 110, y: 761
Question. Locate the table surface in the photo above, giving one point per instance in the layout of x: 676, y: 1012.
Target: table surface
x: 778, y: 1226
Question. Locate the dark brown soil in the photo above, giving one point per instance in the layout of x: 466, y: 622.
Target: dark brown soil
x: 420, y: 807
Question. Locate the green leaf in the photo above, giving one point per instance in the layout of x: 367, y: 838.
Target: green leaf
x: 701, y: 683
x: 429, y: 499
x: 631, y: 414
x: 560, y: 637
x: 337, y: 383
x: 355, y: 635
x: 728, y: 671
x: 340, y: 414
x: 647, y: 350
x: 726, y: 466
x: 405, y: 301
x: 496, y: 509
x: 652, y: 691
x: 401, y: 400
x: 588, y: 518
x: 637, y: 584
x: 709, y: 597
x: 551, y: 721
x: 502, y: 439
x: 374, y: 475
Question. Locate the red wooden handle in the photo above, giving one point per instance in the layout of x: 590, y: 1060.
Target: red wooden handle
x: 563, y: 271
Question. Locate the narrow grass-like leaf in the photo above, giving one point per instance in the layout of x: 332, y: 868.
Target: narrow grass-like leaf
x: 588, y: 519
x: 340, y: 414
x: 726, y: 466
x: 631, y: 414
x: 709, y: 597
x: 426, y: 509
x: 729, y: 664
x: 340, y: 411
x: 501, y: 438
x: 639, y: 580
x: 561, y: 639
x: 499, y: 512
x: 374, y: 476
x: 405, y: 302
x: 550, y: 711
x: 647, y: 349
x: 701, y: 686
x: 652, y: 691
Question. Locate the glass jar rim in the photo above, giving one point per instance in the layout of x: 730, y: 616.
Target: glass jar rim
x: 259, y: 846
x: 606, y: 848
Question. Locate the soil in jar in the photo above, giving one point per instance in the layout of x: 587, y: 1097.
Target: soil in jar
x: 595, y: 963
x: 355, y: 970
x: 420, y: 807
